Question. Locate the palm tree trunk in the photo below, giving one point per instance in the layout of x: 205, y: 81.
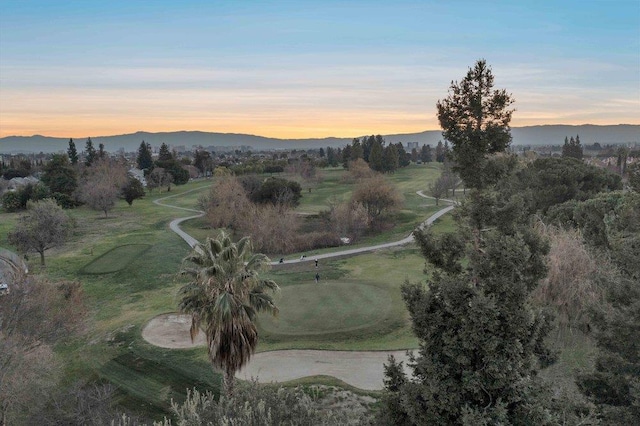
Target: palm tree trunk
x: 229, y: 381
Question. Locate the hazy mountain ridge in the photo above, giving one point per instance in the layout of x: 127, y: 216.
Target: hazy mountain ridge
x: 529, y: 135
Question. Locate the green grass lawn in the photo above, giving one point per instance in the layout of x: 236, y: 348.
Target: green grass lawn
x: 115, y: 259
x: 356, y: 306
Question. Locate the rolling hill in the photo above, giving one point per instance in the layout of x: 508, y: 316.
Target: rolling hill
x: 530, y: 135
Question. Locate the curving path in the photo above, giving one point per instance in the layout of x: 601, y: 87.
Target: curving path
x: 362, y: 369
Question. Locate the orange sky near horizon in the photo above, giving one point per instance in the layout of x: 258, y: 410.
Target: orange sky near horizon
x: 329, y: 125
x: 330, y: 68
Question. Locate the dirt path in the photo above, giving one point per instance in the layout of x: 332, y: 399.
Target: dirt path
x: 362, y: 369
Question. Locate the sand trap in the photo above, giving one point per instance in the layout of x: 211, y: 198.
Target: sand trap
x: 362, y: 369
x: 171, y: 331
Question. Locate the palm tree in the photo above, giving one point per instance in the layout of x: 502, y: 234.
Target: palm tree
x: 223, y: 298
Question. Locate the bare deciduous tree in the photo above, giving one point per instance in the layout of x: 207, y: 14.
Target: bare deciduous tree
x: 378, y: 196
x: 103, y: 183
x: 439, y: 188
x: 349, y: 219
x: 159, y: 177
x: 44, y: 226
x: 358, y: 169
x: 569, y: 285
x: 227, y: 205
x: 34, y: 315
x: 273, y: 228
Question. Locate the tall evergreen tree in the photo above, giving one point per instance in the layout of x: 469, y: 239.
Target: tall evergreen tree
x: 481, y: 342
x: 475, y: 118
x: 59, y: 175
x: 331, y: 157
x: 356, y: 150
x: 101, y: 152
x: 572, y: 148
x: 376, y: 160
x: 145, y: 159
x: 164, y: 154
x: 346, y: 156
x: 390, y: 158
x: 414, y: 155
x: 404, y: 158
x: 90, y: 154
x: 440, y: 152
x: 426, y: 154
x: 72, y: 152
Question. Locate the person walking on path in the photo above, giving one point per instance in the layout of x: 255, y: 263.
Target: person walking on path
x: 317, y: 278
x: 316, y: 263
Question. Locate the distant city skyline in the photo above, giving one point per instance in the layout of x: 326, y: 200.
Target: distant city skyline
x: 294, y: 69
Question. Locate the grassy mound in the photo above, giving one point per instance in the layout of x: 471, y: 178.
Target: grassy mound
x: 327, y: 308
x: 115, y: 259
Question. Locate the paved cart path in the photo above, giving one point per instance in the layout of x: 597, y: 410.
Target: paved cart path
x: 362, y: 369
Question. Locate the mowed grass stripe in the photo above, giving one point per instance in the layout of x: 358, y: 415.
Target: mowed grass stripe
x: 327, y: 308
x: 115, y: 259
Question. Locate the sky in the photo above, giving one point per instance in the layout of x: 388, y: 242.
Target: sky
x: 298, y: 69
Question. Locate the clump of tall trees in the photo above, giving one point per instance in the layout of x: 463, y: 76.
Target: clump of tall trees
x: 260, y: 208
x: 481, y: 340
x: 374, y: 150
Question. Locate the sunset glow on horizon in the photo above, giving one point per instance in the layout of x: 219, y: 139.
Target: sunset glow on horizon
x: 343, y: 69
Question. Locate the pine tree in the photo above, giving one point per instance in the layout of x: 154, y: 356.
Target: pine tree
x: 481, y: 342
x: 145, y: 159
x: 426, y: 154
x: 164, y: 154
x: 72, y: 152
x: 572, y: 148
x: 90, y: 153
x: 475, y: 118
x: 376, y: 160
x: 391, y: 159
x: 440, y: 152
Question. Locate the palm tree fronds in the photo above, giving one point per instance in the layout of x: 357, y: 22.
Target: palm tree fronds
x: 224, y: 297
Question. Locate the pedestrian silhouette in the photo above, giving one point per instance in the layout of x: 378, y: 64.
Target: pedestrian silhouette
x: 316, y: 263
x: 317, y: 277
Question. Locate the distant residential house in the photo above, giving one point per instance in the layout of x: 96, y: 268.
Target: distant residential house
x: 139, y: 175
x: 18, y: 182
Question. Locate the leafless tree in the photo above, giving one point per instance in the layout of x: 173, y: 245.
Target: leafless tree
x: 358, y: 170
x: 439, y: 188
x: 159, y: 177
x: 227, y: 204
x: 349, y: 219
x: 45, y: 225
x: 102, y: 184
x: 569, y: 286
x: 34, y: 315
x: 378, y: 196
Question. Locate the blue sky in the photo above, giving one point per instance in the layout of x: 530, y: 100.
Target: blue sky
x: 303, y: 69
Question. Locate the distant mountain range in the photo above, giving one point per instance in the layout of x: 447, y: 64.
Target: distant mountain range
x: 529, y: 135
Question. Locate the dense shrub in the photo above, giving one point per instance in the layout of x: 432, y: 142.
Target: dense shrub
x: 257, y: 405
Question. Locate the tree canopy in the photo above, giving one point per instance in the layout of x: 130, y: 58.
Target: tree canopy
x: 44, y: 226
x: 144, y: 159
x: 475, y: 118
x: 223, y: 297
x: 572, y: 148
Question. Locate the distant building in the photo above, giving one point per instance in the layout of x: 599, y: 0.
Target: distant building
x: 139, y: 175
x: 412, y: 145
